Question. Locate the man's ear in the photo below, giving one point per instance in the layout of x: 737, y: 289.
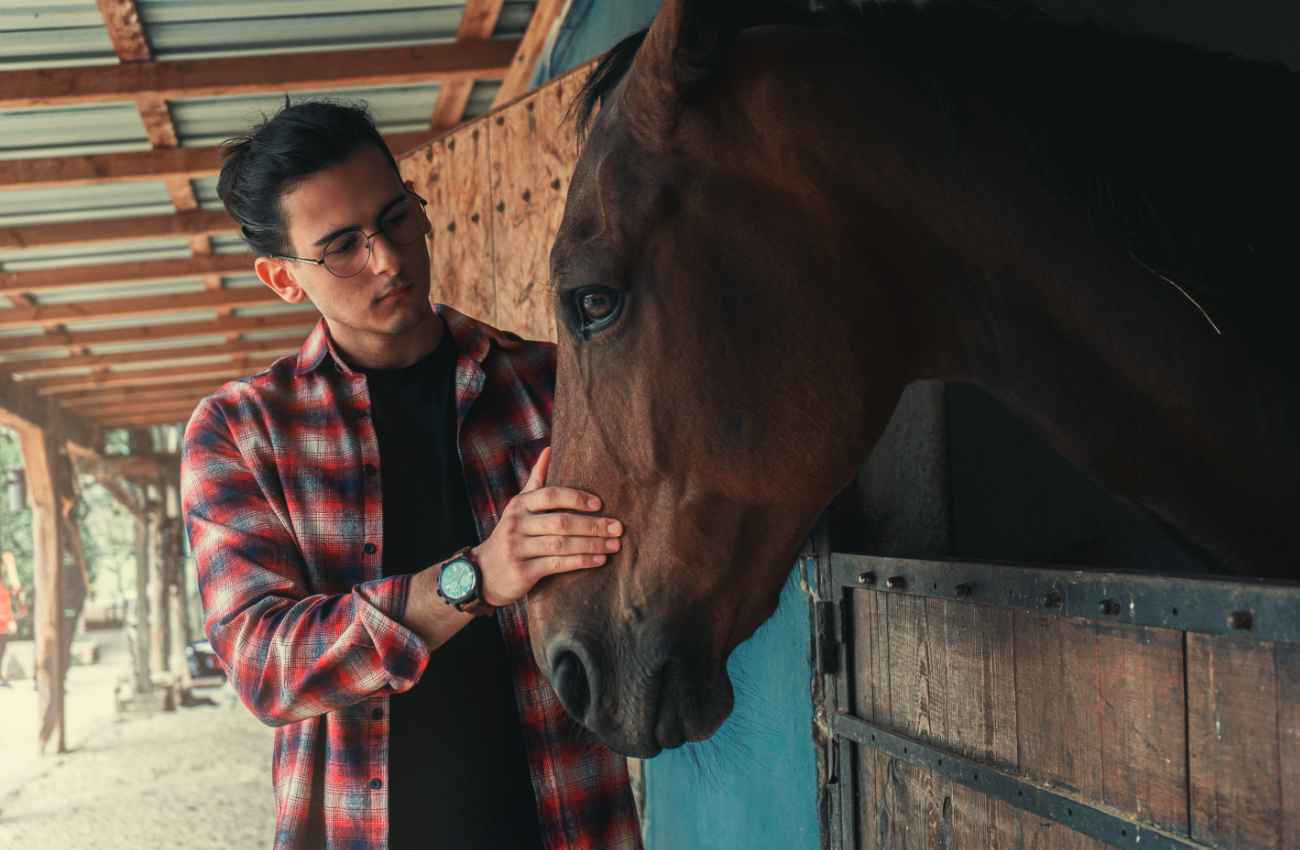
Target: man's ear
x: 281, y: 280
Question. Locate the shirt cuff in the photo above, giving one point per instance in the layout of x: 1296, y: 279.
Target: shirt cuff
x: 402, y: 652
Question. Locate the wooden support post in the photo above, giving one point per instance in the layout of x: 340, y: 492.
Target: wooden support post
x: 46, y: 482
x: 139, y: 627
x: 159, y: 605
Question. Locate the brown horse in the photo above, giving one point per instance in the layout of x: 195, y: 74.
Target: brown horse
x: 771, y: 231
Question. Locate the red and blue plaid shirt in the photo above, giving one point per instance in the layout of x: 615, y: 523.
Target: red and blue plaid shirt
x: 281, y: 488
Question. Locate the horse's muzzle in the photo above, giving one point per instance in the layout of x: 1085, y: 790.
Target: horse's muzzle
x: 662, y: 707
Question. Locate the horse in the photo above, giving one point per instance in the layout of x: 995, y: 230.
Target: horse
x: 771, y: 231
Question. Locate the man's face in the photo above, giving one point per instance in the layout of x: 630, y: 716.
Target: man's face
x: 389, y: 297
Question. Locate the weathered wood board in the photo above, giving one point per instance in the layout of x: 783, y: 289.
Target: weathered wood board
x: 1195, y: 734
x: 496, y: 188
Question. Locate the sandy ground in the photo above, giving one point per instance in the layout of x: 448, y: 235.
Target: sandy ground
x: 192, y: 779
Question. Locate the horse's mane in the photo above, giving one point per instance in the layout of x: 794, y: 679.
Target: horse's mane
x: 1188, y: 159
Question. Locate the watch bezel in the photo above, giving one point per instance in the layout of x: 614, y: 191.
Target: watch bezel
x: 475, y: 593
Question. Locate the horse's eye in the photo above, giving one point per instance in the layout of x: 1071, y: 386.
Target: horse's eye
x: 596, y: 308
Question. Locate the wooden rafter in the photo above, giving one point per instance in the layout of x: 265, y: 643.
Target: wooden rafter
x: 184, y: 224
x: 217, y: 372
x: 152, y: 466
x: 479, y: 22
x: 126, y: 409
x: 95, y: 361
x: 524, y: 63
x: 92, y: 404
x: 73, y: 340
x: 72, y: 277
x: 183, y: 391
x: 169, y: 163
x: 171, y: 80
x: 122, y: 19
x: 149, y: 305
x: 142, y: 419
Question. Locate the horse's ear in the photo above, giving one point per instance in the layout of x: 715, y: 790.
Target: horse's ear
x: 684, y: 48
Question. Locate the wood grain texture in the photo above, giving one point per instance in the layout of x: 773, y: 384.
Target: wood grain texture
x: 122, y: 19
x: 454, y: 172
x: 1288, y: 730
x: 1058, y: 708
x: 113, y: 273
x: 73, y: 340
x: 194, y: 223
x: 1235, y: 753
x: 533, y: 151
x: 172, y: 80
x: 145, y: 305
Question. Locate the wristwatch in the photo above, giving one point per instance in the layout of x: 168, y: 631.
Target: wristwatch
x: 460, y: 583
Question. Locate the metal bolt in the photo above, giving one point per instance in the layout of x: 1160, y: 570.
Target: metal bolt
x: 1110, y: 607
x: 964, y: 589
x: 1052, y: 599
x: 1241, y: 620
x: 866, y: 578
x: 896, y: 582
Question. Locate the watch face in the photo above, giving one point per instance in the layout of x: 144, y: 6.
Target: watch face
x: 457, y: 580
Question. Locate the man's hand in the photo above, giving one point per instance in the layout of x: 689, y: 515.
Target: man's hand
x: 541, y: 533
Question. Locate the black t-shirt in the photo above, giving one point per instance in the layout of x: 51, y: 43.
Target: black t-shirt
x: 457, y: 776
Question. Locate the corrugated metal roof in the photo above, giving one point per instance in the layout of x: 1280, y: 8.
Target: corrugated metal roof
x: 60, y: 33
x: 50, y: 33
x: 190, y: 29
x: 212, y: 120
x: 20, y: 207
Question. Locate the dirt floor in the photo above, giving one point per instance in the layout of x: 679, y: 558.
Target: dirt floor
x: 191, y: 779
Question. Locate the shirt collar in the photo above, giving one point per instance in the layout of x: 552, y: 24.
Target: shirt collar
x: 472, y: 339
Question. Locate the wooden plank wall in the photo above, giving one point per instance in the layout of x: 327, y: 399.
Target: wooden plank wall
x: 1099, y: 710
x: 496, y: 188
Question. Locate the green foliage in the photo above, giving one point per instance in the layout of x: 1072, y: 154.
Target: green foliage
x: 15, y: 527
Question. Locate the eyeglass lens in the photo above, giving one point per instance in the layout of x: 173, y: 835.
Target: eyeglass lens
x: 347, y: 254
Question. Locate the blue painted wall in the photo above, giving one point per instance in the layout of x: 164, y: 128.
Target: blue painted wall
x: 753, y: 786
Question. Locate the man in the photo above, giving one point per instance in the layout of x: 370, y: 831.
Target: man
x: 366, y: 528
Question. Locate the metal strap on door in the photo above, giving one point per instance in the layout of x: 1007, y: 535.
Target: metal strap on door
x: 1264, y: 611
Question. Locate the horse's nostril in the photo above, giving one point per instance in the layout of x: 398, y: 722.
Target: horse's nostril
x: 570, y: 679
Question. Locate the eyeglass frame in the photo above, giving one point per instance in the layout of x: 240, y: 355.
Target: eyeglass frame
x: 370, y: 244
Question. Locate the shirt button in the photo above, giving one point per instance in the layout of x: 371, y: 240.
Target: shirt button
x: 376, y: 784
x: 369, y: 548
x: 377, y: 714
x: 370, y: 469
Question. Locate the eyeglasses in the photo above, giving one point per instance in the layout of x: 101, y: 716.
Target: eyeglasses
x: 348, y: 253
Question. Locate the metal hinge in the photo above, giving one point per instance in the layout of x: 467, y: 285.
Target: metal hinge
x: 829, y: 626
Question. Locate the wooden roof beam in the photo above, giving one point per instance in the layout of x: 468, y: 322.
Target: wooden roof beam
x: 108, y: 410
x: 107, y: 274
x: 148, y: 305
x: 180, y: 225
x: 138, y: 420
x: 530, y: 47
x: 91, y: 361
x: 169, y: 163
x: 218, y: 373
x: 478, y: 23
x: 182, y: 391
x: 73, y: 340
x: 284, y: 72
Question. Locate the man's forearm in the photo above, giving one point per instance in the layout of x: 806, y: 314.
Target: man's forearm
x: 428, y: 614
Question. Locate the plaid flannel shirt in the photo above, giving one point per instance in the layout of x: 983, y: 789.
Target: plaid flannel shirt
x: 282, y: 500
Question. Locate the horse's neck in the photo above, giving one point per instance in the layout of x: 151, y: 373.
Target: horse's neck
x: 1129, y: 380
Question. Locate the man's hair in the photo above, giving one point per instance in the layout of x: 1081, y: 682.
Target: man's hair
x: 298, y: 141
